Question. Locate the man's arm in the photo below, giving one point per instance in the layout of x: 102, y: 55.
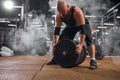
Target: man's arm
x: 57, y: 27
x: 80, y: 20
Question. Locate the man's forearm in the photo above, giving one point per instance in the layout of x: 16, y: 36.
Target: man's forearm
x: 82, y: 39
x: 56, y: 35
x: 55, y: 39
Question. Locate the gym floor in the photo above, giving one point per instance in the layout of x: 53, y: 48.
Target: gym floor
x: 35, y: 68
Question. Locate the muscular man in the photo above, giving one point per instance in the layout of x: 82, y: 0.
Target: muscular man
x: 74, y: 19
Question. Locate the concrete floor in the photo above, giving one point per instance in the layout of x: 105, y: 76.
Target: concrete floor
x: 35, y: 68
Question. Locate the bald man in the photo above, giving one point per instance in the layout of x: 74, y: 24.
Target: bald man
x: 74, y: 19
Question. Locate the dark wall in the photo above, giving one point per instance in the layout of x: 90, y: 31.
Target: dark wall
x: 41, y: 5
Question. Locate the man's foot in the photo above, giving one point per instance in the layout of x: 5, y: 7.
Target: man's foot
x: 93, y: 64
x: 52, y: 62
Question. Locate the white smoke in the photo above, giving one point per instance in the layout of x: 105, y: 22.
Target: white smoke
x: 32, y: 39
x: 111, y: 45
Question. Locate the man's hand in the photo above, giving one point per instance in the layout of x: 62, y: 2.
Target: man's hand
x: 79, y: 48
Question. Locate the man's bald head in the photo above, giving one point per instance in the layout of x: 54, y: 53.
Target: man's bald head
x: 61, y: 6
x: 61, y: 3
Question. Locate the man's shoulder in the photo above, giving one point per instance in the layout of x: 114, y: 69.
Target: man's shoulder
x: 77, y: 10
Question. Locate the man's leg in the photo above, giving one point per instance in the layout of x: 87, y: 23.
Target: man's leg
x: 90, y: 47
x: 91, y: 50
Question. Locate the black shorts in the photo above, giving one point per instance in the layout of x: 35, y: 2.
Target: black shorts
x: 69, y: 33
